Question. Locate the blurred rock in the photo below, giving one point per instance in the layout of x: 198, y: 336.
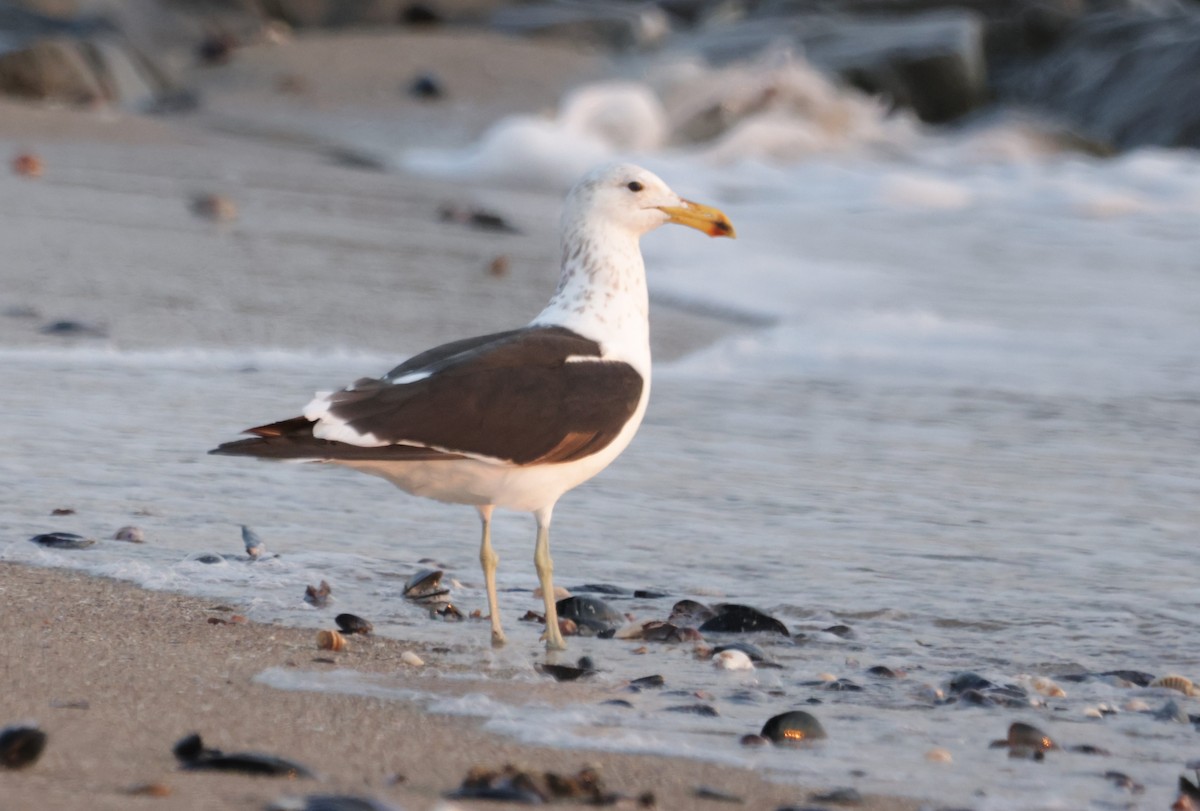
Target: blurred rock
x: 1126, y: 79
x: 51, y: 69
x: 610, y: 25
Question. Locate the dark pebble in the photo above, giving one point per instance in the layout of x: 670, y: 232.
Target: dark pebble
x: 840, y: 631
x: 753, y: 740
x: 194, y: 756
x: 706, y: 710
x: 843, y: 685
x: 648, y: 681
x: 63, y: 511
x: 207, y: 558
x: 426, y: 86
x: 331, y: 802
x: 63, y: 540
x: 563, y: 672
x: 1022, y: 737
x: 881, y: 672
x: 792, y: 728
x: 1089, y: 749
x: 21, y: 746
x: 963, y: 682
x: 588, y: 612
x: 1122, y: 780
x: 1171, y: 712
x: 1136, y: 677
x: 601, y: 588
x: 839, y: 796
x: 477, y: 218
x: 649, y: 594
x: 737, y: 619
x: 420, y: 14
x: 656, y: 631
x: 73, y: 329
x: 709, y: 793
x: 352, y: 624
x: 618, y: 702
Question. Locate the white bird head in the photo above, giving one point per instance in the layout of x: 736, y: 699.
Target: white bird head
x: 636, y: 200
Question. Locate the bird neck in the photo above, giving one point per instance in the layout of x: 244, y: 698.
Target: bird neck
x: 602, y: 293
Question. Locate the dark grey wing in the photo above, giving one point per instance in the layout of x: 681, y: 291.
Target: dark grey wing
x: 531, y: 395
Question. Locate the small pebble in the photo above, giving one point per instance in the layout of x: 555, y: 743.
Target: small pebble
x: 215, y: 207
x: 28, y: 164
x: 716, y: 795
x: 149, y: 790
x: 20, y: 746
x: 73, y: 329
x: 498, y: 268
x: 732, y: 660
x: 752, y: 740
x: 426, y: 87
x: 63, y: 511
x: 793, y: 728
x: 839, y: 796
x: 939, y: 755
x: 706, y: 710
x: 411, y: 659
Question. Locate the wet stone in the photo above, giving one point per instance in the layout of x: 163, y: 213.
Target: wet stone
x: 73, y: 329
x: 881, y: 672
x: 601, y: 588
x: 207, y: 558
x: 793, y: 728
x: 844, y: 686
x: 618, y: 702
x: 706, y: 710
x: 738, y: 619
x: 1135, y: 677
x: 1124, y: 781
x: 839, y: 796
x: 62, y: 540
x: 591, y: 613
x: 840, y: 631
x: 20, y: 746
x: 963, y: 682
x: 130, y: 534
x: 564, y: 672
x: 329, y: 802
x: 716, y: 795
x: 1171, y: 712
x: 352, y: 624
x: 690, y: 612
x: 427, y: 87
x: 649, y: 594
x: 648, y: 682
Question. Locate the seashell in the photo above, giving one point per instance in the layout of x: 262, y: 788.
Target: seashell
x: 446, y: 611
x: 732, y: 660
x: 318, y: 595
x: 1135, y: 705
x: 939, y: 755
x: 330, y: 640
x: 568, y: 627
x: 410, y: 658
x: 826, y: 677
x: 28, y: 164
x: 351, y: 624
x: 254, y: 544
x: 1092, y: 712
x: 739, y: 619
x: 753, y: 651
x: 1047, y: 687
x: 793, y: 728
x: 21, y: 745
x: 426, y: 587
x: 1175, y: 682
x: 130, y: 534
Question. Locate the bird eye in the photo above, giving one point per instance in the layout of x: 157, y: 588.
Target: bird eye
x: 635, y: 186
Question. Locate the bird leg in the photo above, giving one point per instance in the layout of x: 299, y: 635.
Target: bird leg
x: 489, y: 559
x: 545, y: 570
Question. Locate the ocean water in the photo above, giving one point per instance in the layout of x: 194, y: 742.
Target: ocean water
x: 962, y: 419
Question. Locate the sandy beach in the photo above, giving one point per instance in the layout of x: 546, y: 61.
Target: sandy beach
x: 116, y: 675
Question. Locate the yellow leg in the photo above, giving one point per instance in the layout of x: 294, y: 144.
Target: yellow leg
x: 545, y: 570
x: 489, y: 559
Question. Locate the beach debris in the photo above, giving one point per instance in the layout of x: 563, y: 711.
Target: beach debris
x: 63, y: 511
x: 447, y: 611
x: 1046, y: 687
x: 1189, y: 795
x: 732, y: 659
x: 731, y: 618
x: 1124, y: 781
x: 148, y: 790
x: 939, y: 754
x: 215, y: 207
x: 328, y: 802
x: 658, y: 631
x: 793, y: 728
x: 426, y: 587
x: 28, y: 164
x: 255, y: 547
x: 498, y: 269
x: 1025, y: 741
x: 1136, y: 705
x: 194, y: 756
x: 567, y: 627
x: 352, y: 624
x: 130, y: 534
x: 838, y: 796
x: 511, y: 784
x: 21, y: 745
x: 67, y: 328
x: 477, y: 218
x: 318, y: 596
x: 63, y: 540
x: 584, y: 667
x: 426, y: 87
x: 330, y: 640
x: 591, y: 614
x: 1181, y: 684
x: 411, y: 659
x: 971, y: 688
x: 716, y: 795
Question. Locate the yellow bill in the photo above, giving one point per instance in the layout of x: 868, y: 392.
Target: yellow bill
x: 703, y: 218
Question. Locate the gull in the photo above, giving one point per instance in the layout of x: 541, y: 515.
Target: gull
x: 515, y: 419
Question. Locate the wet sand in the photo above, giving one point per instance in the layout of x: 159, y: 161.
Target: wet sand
x: 116, y: 675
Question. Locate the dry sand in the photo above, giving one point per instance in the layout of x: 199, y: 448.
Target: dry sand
x: 320, y: 256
